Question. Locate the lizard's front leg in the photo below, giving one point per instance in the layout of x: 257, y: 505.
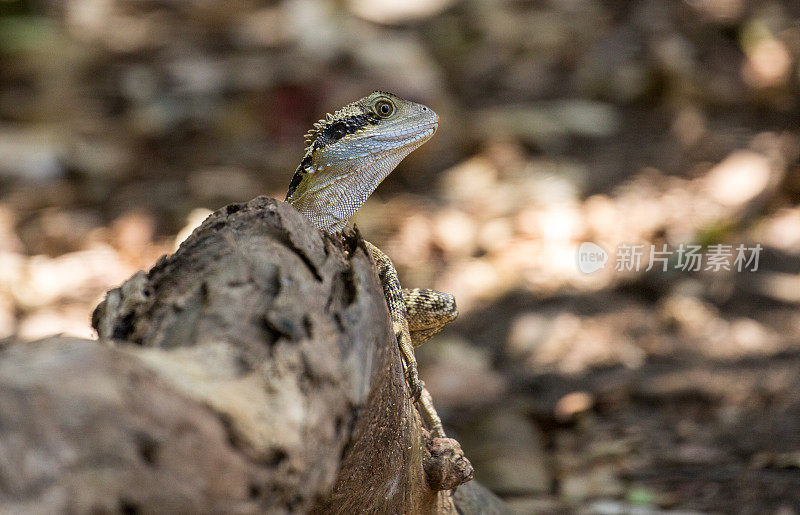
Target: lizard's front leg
x: 427, y: 312
x: 397, y: 310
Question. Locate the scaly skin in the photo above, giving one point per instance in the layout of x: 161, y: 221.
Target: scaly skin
x: 349, y: 153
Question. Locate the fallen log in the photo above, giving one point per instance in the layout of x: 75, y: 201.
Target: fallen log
x: 253, y: 370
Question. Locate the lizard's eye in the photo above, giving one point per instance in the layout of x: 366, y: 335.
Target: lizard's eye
x: 384, y: 108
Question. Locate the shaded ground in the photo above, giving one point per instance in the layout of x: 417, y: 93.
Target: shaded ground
x: 681, y: 430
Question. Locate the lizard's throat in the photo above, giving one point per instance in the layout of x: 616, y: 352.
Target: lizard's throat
x: 331, y: 194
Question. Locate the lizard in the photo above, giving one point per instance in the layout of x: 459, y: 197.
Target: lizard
x: 347, y: 156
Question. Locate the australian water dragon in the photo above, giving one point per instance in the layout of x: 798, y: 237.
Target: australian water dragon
x: 349, y: 153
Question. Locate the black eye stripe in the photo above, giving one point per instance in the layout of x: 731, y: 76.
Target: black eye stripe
x: 337, y: 130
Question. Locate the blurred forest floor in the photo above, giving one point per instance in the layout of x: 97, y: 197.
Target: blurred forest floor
x: 123, y: 122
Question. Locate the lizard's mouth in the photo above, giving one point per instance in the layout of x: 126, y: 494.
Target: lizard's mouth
x: 413, y: 130
x: 409, y: 136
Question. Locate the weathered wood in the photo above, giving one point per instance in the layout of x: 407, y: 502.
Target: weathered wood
x: 254, y: 370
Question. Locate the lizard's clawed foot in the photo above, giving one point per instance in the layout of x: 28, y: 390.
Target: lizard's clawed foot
x: 445, y: 465
x: 414, y: 382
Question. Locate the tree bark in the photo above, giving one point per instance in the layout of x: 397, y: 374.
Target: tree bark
x: 252, y: 371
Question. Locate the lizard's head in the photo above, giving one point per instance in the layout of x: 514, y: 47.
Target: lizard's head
x: 351, y: 151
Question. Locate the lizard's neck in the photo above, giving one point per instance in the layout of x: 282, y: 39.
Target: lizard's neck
x: 332, y: 194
